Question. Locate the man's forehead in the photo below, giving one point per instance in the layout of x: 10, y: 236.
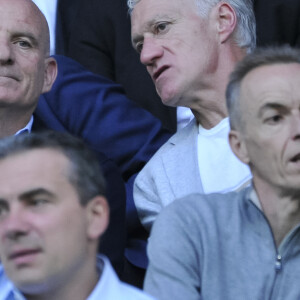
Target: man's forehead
x: 148, y: 9
x: 145, y: 11
x: 263, y: 76
x: 21, y: 15
x: 23, y: 8
x: 33, y: 169
x: 276, y: 82
x: 148, y: 12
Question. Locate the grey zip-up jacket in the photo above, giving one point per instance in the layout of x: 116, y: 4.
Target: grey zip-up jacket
x: 220, y: 246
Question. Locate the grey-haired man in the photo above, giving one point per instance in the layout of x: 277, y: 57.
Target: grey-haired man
x: 189, y: 49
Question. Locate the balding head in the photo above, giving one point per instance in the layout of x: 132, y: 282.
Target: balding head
x: 26, y: 70
x: 31, y: 15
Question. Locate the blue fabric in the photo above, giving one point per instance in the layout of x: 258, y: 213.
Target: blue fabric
x: 6, y: 286
x: 97, y: 110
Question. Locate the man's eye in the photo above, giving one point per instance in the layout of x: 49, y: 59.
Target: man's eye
x: 37, y: 202
x: 24, y: 44
x: 160, y: 27
x: 274, y: 119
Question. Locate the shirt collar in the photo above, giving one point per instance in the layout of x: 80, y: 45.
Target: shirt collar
x: 7, y: 289
x: 17, y: 295
x: 254, y: 198
x: 27, y: 128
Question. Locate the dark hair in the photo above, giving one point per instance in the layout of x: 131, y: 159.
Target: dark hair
x: 260, y: 57
x: 84, y: 174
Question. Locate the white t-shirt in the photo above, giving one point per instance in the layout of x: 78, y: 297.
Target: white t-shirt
x: 48, y: 8
x: 220, y: 170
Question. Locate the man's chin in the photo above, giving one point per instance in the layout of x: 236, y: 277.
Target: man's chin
x: 32, y: 286
x: 7, y: 100
x: 27, y: 278
x: 168, y: 98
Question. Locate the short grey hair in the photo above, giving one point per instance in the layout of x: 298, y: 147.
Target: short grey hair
x: 245, y: 33
x: 84, y: 172
x: 260, y: 57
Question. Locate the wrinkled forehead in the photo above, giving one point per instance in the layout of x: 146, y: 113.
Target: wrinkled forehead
x: 148, y: 12
x: 134, y: 3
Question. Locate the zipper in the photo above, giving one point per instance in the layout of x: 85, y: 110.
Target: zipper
x: 278, y: 263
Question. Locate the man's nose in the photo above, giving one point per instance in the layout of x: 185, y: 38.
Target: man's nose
x: 6, y: 52
x: 151, y: 51
x: 14, y: 224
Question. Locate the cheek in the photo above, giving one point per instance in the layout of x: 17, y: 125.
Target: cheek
x: 257, y: 149
x: 34, y: 74
x: 266, y: 153
x: 68, y: 236
x: 62, y: 227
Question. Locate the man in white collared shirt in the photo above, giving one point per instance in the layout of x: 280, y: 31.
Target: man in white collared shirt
x: 52, y: 214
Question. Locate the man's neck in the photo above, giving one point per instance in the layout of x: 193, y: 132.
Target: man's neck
x: 209, y: 119
x: 209, y: 104
x: 11, y: 121
x: 281, y: 210
x: 209, y: 108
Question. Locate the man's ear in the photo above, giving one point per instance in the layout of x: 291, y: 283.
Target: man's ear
x: 98, y: 217
x: 50, y: 73
x: 238, y: 146
x: 226, y: 21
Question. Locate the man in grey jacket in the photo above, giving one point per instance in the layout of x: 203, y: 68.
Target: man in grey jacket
x: 190, y: 48
x: 242, y: 245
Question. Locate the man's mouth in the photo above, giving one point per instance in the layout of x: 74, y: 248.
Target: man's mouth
x: 159, y: 72
x: 24, y: 256
x: 8, y: 77
x: 296, y: 158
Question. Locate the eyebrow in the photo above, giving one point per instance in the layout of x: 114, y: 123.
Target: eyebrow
x: 28, y: 195
x: 35, y: 192
x: 271, y: 105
